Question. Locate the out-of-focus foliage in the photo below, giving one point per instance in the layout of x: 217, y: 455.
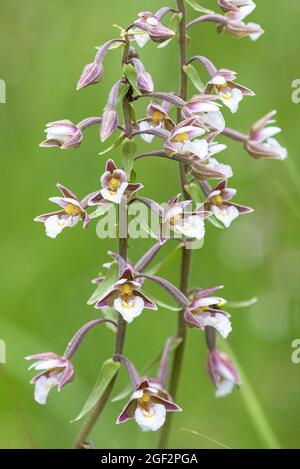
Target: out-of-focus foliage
x: 45, y: 283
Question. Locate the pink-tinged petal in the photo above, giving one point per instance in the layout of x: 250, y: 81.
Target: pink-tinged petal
x: 67, y: 192
x: 42, y: 356
x: 242, y: 208
x: 228, y: 193
x: 45, y: 216
x: 132, y: 188
x: 110, y: 166
x: 128, y: 412
x: 109, y: 124
x: 107, y: 299
x: 67, y: 377
x: 148, y: 304
x: 203, y: 293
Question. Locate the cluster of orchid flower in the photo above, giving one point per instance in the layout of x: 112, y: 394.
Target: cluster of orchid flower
x: 191, y: 141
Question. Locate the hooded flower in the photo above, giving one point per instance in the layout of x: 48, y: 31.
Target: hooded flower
x: 157, y: 117
x: 237, y: 10
x: 261, y: 141
x: 148, y: 405
x: 205, y: 310
x: 72, y: 211
x: 125, y: 295
x: 115, y: 186
x: 229, y: 92
x: 182, y: 139
x: 241, y: 29
x: 54, y: 371
x: 63, y: 134
x: 219, y: 202
x: 222, y: 373
x: 149, y: 27
x: 187, y: 223
x: 208, y: 111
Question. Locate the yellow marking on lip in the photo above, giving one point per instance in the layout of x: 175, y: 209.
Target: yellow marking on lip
x: 73, y: 210
x: 217, y: 200
x: 180, y: 137
x: 114, y: 184
x: 157, y: 116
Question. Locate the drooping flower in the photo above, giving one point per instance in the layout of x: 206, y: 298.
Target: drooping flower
x: 222, y: 372
x: 115, y: 186
x: 241, y: 29
x: 148, y: 405
x: 126, y: 295
x: 73, y: 210
x: 227, y: 90
x: 237, y: 10
x: 182, y: 139
x: 149, y: 27
x: 205, y: 310
x: 219, y: 203
x: 55, y: 371
x: 208, y: 111
x: 175, y: 217
x: 157, y: 117
x: 63, y: 134
x: 224, y: 169
x: 261, y: 141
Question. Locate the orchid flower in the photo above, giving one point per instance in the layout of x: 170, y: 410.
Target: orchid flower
x: 63, y: 134
x: 219, y: 203
x: 149, y: 27
x: 222, y: 372
x: 261, y: 141
x: 182, y: 139
x: 73, y: 210
x: 55, y: 371
x: 115, y: 186
x: 157, y: 117
x: 205, y: 310
x: 126, y: 295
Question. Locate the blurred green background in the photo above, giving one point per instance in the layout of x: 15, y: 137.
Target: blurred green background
x: 45, y: 283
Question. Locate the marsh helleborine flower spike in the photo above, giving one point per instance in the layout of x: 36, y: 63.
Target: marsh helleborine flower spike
x: 126, y: 296
x: 219, y: 202
x: 222, y: 373
x: 205, y: 310
x: 72, y: 211
x: 115, y: 186
x: 261, y: 142
x: 55, y: 371
x: 63, y: 134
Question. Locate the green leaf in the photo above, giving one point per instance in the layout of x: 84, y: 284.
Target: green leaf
x: 107, y: 372
x: 123, y: 90
x: 195, y: 5
x: 193, y: 75
x: 165, y: 262
x: 129, y: 150
x: 163, y: 305
x: 116, y: 144
x: 161, y: 45
x: 148, y: 369
x: 194, y: 191
x: 110, y: 278
x: 130, y: 74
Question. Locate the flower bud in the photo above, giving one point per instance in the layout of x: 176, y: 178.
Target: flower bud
x: 109, y: 124
x: 63, y: 134
x: 222, y: 373
x: 144, y: 82
x: 91, y: 74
